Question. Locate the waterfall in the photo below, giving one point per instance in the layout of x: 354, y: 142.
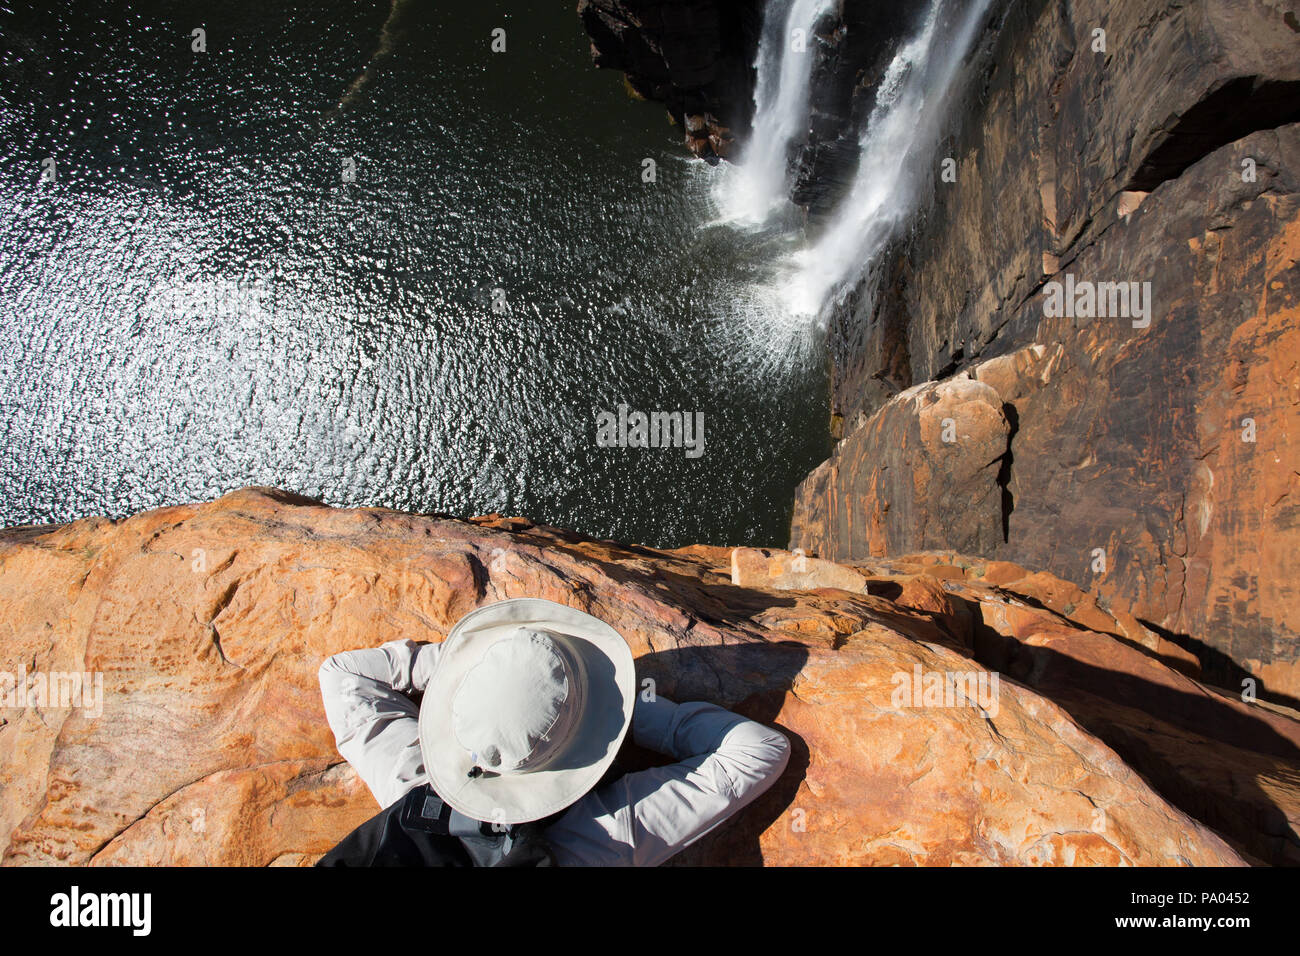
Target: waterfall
x: 752, y: 192
x: 897, y: 160
x: 780, y: 317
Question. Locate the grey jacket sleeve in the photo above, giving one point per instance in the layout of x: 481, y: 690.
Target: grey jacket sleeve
x: 725, y: 762
x: 373, y: 717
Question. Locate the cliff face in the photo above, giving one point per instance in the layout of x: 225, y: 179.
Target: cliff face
x: 1172, y: 447
x: 209, y: 745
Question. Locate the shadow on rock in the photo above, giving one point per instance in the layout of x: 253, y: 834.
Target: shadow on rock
x: 750, y: 679
x: 1204, y: 753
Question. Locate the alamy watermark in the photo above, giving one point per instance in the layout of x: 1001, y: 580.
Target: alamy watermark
x: 922, y: 688
x: 1086, y: 299
x: 130, y: 910
x: 66, y: 689
x: 632, y: 429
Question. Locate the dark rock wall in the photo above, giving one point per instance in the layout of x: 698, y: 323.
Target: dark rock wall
x: 851, y: 47
x: 695, y: 56
x: 1049, y: 140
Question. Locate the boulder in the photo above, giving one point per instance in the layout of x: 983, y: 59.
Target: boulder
x: 926, y: 471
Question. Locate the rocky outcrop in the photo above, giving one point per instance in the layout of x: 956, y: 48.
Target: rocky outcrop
x: 1150, y: 459
x: 922, y: 473
x: 208, y: 622
x: 695, y: 56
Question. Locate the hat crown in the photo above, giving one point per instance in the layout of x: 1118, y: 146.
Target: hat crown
x: 517, y: 704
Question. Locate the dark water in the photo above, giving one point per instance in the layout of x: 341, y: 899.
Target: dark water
x: 200, y: 301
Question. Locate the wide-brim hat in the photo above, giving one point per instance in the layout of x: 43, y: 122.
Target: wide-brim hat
x: 565, y: 677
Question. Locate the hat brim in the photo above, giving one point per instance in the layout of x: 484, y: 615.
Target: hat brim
x: 606, y: 660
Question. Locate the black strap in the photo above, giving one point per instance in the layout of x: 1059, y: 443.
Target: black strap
x: 418, y: 831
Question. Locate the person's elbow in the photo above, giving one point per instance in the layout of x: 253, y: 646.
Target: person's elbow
x: 760, y: 755
x: 337, y: 697
x: 328, y: 673
x: 776, y: 747
x: 331, y: 665
x: 340, y: 668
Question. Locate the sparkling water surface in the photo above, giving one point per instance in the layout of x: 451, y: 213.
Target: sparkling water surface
x: 201, y: 300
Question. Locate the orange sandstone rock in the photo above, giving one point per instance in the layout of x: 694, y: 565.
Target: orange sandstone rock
x: 208, y: 623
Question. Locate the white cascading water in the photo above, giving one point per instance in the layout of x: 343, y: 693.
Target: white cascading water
x: 752, y: 191
x: 897, y: 159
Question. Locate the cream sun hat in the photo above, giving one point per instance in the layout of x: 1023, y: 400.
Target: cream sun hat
x: 525, y: 710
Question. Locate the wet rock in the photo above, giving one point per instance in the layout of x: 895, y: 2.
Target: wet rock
x: 697, y: 57
x: 694, y: 56
x: 852, y: 48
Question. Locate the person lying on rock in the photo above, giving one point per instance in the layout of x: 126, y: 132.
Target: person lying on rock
x: 524, y: 707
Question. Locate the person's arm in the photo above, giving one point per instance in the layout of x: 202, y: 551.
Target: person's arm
x: 374, y: 720
x: 725, y: 762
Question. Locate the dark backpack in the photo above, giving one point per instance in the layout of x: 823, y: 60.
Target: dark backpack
x: 421, y: 830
